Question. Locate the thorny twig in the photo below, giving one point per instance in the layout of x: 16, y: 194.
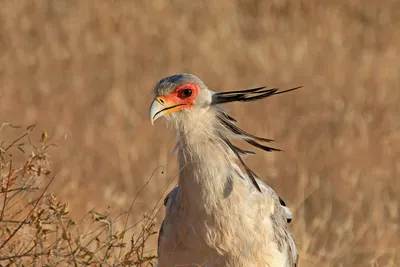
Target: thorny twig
x: 6, y: 191
x: 29, y: 214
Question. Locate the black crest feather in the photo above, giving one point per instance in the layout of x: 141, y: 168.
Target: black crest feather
x: 229, y: 123
x: 247, y: 95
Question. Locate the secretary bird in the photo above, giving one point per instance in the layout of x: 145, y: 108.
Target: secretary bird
x: 217, y: 215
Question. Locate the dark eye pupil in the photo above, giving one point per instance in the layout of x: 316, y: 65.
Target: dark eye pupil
x: 186, y: 93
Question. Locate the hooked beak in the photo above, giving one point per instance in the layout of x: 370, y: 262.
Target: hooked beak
x: 160, y: 107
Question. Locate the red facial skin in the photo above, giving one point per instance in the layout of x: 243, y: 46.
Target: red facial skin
x: 176, y: 97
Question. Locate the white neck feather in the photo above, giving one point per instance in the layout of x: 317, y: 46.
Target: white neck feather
x: 204, y: 160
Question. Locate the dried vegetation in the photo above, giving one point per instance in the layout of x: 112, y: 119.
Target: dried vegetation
x: 36, y: 228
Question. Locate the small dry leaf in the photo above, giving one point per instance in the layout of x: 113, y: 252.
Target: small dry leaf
x: 26, y: 168
x: 65, y: 235
x: 44, y: 137
x: 31, y: 127
x: 64, y: 209
x: 46, y: 172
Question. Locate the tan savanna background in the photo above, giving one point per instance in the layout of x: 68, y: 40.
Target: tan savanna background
x: 84, y: 72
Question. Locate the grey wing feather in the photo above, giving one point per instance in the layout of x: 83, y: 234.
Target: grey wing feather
x: 171, y: 195
x: 278, y: 218
x: 160, y: 235
x: 286, y: 210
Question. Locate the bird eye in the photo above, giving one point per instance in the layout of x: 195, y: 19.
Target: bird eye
x: 185, y: 93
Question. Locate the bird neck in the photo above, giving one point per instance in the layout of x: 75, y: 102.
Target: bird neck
x: 205, y: 162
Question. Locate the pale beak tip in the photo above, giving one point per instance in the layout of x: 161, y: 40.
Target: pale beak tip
x: 155, y: 111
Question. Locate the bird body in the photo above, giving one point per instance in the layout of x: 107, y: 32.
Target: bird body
x: 217, y: 216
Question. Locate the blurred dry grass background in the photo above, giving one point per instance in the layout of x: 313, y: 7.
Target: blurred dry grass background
x: 84, y: 71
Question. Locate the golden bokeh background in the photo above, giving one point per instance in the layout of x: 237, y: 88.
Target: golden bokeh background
x: 84, y: 71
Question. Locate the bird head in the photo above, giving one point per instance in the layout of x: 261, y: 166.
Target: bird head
x: 184, y: 98
x: 184, y: 93
x: 179, y: 94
